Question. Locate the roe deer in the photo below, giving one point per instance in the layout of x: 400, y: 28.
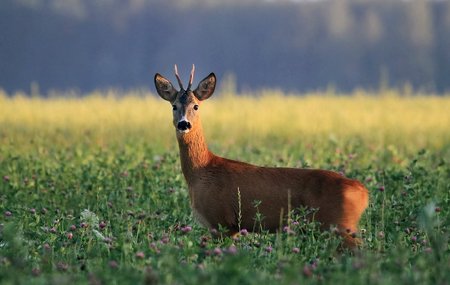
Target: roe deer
x: 222, y: 191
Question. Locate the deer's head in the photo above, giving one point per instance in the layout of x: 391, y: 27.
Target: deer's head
x: 185, y: 103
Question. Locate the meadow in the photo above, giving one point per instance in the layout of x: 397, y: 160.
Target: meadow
x: 91, y: 190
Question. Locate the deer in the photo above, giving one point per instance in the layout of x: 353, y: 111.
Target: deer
x: 223, y: 191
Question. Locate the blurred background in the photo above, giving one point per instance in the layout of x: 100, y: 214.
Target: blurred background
x: 293, y: 46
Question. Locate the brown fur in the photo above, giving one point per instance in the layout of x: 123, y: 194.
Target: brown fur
x: 214, y: 183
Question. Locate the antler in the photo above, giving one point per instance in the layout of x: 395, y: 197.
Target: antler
x: 178, y: 78
x: 191, y: 78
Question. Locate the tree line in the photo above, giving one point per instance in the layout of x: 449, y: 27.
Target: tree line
x: 288, y: 45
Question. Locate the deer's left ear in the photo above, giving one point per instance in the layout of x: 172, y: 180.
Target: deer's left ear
x: 165, y: 88
x: 206, y: 87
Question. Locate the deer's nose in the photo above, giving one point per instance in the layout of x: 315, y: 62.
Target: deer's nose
x: 184, y: 125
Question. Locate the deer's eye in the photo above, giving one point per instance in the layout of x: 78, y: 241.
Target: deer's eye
x: 196, y: 107
x: 174, y: 107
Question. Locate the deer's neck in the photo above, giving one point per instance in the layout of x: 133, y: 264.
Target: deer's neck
x: 194, y: 153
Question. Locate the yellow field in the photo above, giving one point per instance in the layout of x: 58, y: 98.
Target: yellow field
x: 103, y: 118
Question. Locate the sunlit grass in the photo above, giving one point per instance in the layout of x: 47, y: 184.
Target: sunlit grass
x: 105, y: 118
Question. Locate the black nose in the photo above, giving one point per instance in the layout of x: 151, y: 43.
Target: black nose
x: 184, y: 125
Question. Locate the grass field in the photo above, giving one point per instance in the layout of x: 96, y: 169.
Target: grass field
x: 91, y: 189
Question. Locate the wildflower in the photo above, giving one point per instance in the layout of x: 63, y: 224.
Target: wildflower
x: 269, y: 249
x: 165, y: 239
x: 437, y: 209
x: 295, y: 223
x: 313, y: 263
x: 307, y: 271
x: 8, y: 214
x: 113, y: 264
x: 6, y: 178
x: 46, y: 246
x: 381, y: 188
x: 69, y: 235
x: 53, y: 230
x: 154, y: 247
x: 140, y: 255
x: 102, y: 225
x: 232, y: 250
x: 295, y: 250
x: 186, y: 229
x: 244, y: 232
x: 288, y: 230
x: 73, y: 227
x: 32, y: 211
x: 44, y: 211
x: 413, y: 238
x: 83, y: 225
x: 217, y: 251
x: 35, y: 272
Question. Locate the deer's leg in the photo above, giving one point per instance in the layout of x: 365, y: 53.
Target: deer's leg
x: 355, y: 201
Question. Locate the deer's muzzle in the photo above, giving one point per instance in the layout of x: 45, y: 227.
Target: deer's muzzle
x: 184, y: 126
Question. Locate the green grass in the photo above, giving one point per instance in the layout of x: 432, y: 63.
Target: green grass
x: 86, y: 200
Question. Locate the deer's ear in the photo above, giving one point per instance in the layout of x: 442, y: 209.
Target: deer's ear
x: 206, y: 87
x: 165, y: 88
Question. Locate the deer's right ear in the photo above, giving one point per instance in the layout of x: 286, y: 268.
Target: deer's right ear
x: 165, y: 88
